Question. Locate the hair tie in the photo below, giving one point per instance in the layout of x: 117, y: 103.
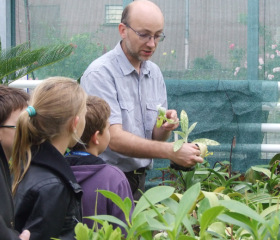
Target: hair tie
x: 31, y: 111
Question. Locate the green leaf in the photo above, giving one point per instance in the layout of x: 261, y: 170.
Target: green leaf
x: 159, y: 122
x: 156, y: 225
x: 181, y: 134
x: 265, y: 171
x: 238, y: 220
x: 218, y: 228
x: 243, y: 209
x: 269, y: 210
x: 20, y: 60
x: 212, y: 198
x: 190, y: 129
x: 82, y: 231
x: 108, y: 218
x: 187, y: 201
x: 155, y: 195
x: 125, y: 205
x: 220, y: 177
x: 178, y: 144
x: 184, y: 121
x: 171, y: 204
x: 183, y: 237
x: 208, y: 217
x: 140, y: 222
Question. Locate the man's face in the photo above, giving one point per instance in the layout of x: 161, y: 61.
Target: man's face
x: 7, y: 134
x: 136, y: 47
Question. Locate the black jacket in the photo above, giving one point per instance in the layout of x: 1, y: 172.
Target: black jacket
x: 48, y: 199
x: 7, y: 231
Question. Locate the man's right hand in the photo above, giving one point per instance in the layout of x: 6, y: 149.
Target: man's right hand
x: 187, y: 156
x: 25, y: 235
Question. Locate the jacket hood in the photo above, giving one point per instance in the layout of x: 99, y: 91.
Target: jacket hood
x: 85, y: 167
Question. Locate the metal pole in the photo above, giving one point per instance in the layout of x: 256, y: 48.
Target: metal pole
x: 187, y: 36
x: 253, y: 40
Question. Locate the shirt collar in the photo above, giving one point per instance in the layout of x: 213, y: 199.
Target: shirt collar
x: 126, y: 66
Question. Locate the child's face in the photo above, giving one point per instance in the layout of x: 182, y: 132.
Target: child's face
x: 80, y: 127
x: 82, y: 122
x: 104, y: 138
x: 7, y: 134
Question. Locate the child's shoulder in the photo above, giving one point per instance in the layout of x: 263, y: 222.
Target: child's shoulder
x: 114, y: 170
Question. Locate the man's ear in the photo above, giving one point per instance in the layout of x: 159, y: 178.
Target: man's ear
x: 122, y: 30
x: 75, y: 124
x: 94, y: 138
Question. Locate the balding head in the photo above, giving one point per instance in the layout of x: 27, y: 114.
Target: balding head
x: 141, y: 29
x: 142, y: 10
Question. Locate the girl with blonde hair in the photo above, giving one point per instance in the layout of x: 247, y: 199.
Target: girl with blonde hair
x: 46, y: 193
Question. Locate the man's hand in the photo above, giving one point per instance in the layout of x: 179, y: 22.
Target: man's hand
x: 171, y: 114
x: 187, y: 156
x: 25, y: 235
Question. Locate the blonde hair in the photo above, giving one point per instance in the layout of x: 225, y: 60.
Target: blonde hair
x: 56, y: 100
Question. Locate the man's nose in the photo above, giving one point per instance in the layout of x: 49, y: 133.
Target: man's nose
x: 151, y: 42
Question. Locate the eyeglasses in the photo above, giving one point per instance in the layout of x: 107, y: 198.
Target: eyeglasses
x: 146, y: 37
x: 7, y: 126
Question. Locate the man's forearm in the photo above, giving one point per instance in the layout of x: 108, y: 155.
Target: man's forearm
x: 160, y: 134
x: 131, y: 145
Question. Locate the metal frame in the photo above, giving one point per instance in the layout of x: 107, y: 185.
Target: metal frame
x: 265, y: 127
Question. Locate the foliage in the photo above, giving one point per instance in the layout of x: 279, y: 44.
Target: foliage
x: 19, y: 61
x: 197, y: 214
x: 269, y: 56
x: 86, y: 49
x: 186, y: 130
x: 206, y: 63
x: 168, y: 60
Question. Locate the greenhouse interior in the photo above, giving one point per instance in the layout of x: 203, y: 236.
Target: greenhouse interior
x: 220, y: 61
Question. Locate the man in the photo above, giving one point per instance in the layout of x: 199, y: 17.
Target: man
x: 12, y: 102
x: 134, y: 87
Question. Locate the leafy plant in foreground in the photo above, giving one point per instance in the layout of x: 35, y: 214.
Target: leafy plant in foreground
x: 197, y: 214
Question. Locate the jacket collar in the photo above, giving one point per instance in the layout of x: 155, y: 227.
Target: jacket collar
x: 75, y: 160
x: 46, y: 155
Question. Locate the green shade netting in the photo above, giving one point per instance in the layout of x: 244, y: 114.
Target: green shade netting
x: 223, y: 109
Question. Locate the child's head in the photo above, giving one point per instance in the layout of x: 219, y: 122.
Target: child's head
x: 98, y: 113
x: 12, y: 102
x: 57, y: 111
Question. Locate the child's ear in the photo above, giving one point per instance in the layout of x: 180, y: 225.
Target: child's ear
x: 75, y: 123
x: 94, y: 138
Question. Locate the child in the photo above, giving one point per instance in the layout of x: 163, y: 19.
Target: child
x: 47, y: 196
x: 12, y: 103
x: 92, y: 172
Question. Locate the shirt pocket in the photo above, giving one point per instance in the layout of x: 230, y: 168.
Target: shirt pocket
x: 151, y: 116
x: 127, y: 111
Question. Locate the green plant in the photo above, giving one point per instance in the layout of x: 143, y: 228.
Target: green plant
x: 186, y: 130
x: 19, y: 61
x: 196, y: 214
x: 168, y: 60
x: 206, y: 63
x: 86, y: 49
